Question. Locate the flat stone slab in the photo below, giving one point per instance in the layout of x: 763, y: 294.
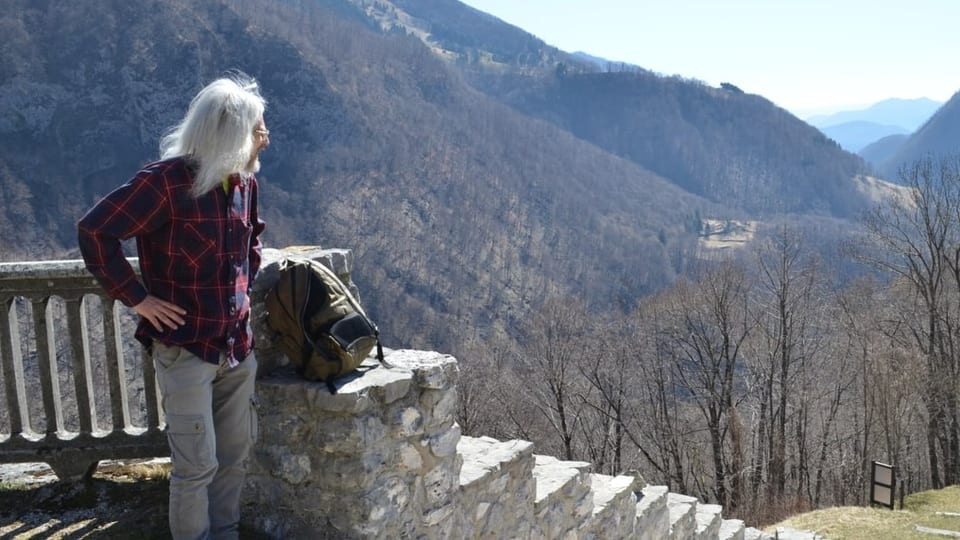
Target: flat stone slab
x: 652, y: 495
x: 682, y: 511
x: 751, y: 533
x: 433, y: 370
x: 607, y: 489
x: 356, y: 392
x: 485, y: 455
x: 680, y: 505
x: 731, y: 529
x: 939, y: 532
x: 553, y: 474
x: 383, y: 383
x: 786, y: 533
x: 652, y: 516
x: 708, y: 519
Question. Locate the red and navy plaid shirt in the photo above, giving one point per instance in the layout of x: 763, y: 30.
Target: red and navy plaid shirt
x: 200, y: 253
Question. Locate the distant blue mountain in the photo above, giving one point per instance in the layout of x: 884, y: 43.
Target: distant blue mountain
x: 856, y: 130
x: 908, y: 114
x: 854, y: 136
x: 877, y: 152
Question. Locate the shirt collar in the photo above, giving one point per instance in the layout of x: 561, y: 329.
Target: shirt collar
x: 234, y: 180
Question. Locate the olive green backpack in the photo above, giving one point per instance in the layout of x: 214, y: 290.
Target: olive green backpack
x: 321, y: 327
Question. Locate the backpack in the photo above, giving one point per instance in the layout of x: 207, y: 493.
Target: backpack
x: 321, y: 327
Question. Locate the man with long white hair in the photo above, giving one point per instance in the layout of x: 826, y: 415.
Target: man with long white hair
x: 194, y: 216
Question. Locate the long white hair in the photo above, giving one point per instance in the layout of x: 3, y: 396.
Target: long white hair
x: 216, y: 134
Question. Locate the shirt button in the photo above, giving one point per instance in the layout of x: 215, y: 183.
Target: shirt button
x: 233, y: 310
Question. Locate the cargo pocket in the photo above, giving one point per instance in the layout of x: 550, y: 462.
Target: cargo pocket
x: 254, y: 420
x: 188, y: 440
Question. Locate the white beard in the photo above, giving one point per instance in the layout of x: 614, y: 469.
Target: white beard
x: 253, y: 167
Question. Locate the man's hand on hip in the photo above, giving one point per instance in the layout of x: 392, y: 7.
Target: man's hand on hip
x: 161, y: 313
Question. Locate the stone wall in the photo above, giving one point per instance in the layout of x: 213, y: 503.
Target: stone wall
x: 383, y: 457
x: 377, y: 459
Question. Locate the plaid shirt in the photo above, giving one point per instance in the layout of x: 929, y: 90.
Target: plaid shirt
x: 200, y: 253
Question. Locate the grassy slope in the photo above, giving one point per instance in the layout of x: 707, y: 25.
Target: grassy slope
x: 858, y: 523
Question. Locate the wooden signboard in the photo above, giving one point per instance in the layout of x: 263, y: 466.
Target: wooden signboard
x: 883, y: 484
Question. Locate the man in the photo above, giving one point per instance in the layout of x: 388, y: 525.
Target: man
x: 194, y: 216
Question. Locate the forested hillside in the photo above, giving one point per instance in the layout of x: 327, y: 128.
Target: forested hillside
x: 462, y: 213
x: 734, y: 148
x: 461, y: 210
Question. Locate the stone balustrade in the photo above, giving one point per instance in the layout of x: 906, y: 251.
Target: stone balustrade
x: 73, y: 392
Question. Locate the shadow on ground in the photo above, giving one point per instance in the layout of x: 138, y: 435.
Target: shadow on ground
x: 99, y: 508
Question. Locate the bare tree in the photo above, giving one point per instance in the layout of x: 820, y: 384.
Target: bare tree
x: 485, y: 382
x: 614, y: 383
x: 919, y: 239
x: 710, y: 323
x: 555, y: 343
x: 654, y: 417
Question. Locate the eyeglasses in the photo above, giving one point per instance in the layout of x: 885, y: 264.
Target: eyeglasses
x: 263, y: 133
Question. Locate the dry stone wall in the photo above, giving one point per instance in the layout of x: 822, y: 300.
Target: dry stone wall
x: 377, y: 459
x: 383, y: 457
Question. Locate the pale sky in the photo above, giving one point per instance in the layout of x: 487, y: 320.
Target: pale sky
x: 807, y: 56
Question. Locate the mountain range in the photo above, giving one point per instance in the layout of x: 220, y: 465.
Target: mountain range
x: 878, y: 132
x: 857, y: 135
x: 473, y: 170
x: 889, y: 120
x: 906, y: 114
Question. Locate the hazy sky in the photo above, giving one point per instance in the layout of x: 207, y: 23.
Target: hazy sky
x: 808, y: 56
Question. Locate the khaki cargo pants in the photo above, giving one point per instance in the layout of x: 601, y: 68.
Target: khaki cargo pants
x: 211, y: 425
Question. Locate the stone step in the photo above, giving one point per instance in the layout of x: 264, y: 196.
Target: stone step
x: 751, y: 533
x: 708, y: 518
x: 496, y: 479
x: 563, y: 500
x: 934, y: 532
x: 682, y: 510
x: 732, y: 529
x: 614, y: 508
x: 653, y: 518
x: 787, y: 533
